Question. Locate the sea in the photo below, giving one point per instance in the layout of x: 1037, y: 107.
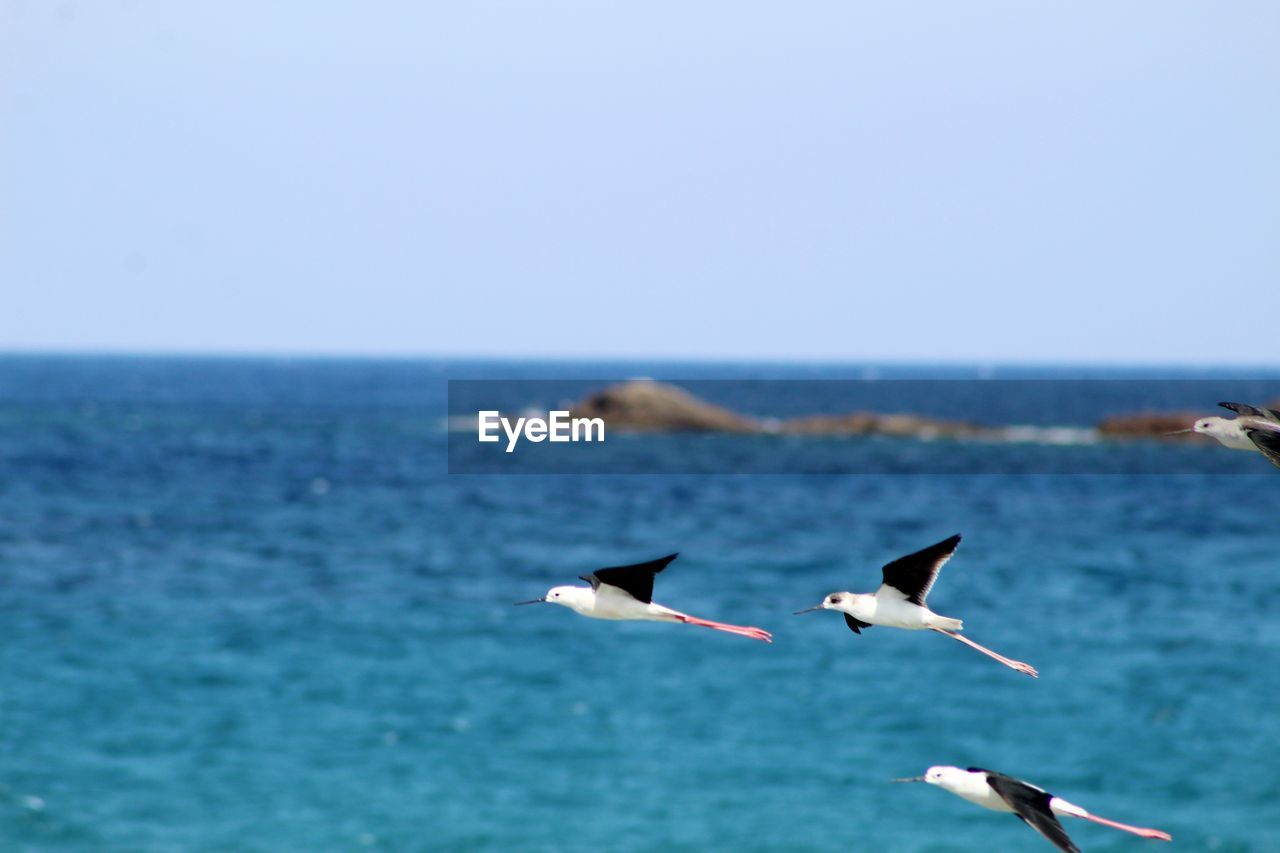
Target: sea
x: 246, y: 605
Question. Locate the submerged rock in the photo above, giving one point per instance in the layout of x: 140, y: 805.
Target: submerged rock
x: 1150, y: 425
x: 643, y: 405
x: 854, y: 423
x: 870, y: 423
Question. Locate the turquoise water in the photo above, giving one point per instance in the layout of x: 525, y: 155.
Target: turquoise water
x: 242, y: 606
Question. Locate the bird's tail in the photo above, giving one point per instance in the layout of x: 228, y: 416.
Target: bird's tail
x: 946, y: 623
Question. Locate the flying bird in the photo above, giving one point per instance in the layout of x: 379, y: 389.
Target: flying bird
x: 626, y: 592
x: 1034, y: 806
x: 1252, y: 429
x: 900, y: 601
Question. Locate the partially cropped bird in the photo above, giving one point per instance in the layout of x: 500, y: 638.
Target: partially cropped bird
x: 900, y: 601
x: 626, y: 592
x: 1036, y: 807
x: 1253, y: 428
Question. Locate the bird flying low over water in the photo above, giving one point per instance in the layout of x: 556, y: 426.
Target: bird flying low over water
x: 1252, y: 429
x: 626, y: 592
x: 900, y: 601
x: 1034, y: 806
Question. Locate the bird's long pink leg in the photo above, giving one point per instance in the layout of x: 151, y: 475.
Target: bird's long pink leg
x: 740, y: 630
x: 1024, y: 668
x: 1136, y: 830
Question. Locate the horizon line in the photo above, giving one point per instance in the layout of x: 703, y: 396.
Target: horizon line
x: 578, y: 358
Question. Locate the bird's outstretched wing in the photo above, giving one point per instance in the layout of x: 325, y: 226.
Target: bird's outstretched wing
x: 1268, y: 441
x: 1252, y: 411
x: 914, y: 574
x: 636, y: 580
x: 1031, y: 804
x: 855, y: 625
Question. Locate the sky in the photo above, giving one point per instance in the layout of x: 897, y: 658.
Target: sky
x: 1078, y: 182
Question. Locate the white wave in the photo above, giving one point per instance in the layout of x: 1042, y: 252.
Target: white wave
x: 1062, y: 435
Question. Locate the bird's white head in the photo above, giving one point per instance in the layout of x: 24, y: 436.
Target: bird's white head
x: 1211, y: 425
x: 835, y: 599
x: 579, y: 598
x: 941, y: 775
x: 845, y: 602
x: 573, y: 597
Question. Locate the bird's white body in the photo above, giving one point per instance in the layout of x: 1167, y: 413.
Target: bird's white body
x: 1022, y: 799
x: 889, y: 607
x: 972, y: 786
x: 609, y: 603
x: 1230, y: 432
x: 900, y: 601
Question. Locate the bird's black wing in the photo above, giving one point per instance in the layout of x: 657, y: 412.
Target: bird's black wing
x: 1268, y: 441
x: 914, y: 574
x: 637, y: 580
x: 855, y: 625
x: 1254, y: 411
x: 1031, y: 804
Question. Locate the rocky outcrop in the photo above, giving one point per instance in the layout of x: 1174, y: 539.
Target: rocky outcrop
x: 643, y: 405
x: 647, y: 406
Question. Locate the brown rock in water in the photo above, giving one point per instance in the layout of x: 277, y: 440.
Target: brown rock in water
x: 1150, y: 425
x: 648, y: 406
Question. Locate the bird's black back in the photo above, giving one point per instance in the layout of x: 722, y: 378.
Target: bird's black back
x: 1253, y: 411
x: 1031, y: 805
x: 914, y: 574
x: 635, y: 579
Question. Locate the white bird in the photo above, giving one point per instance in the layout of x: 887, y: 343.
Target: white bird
x: 626, y: 592
x: 1252, y: 429
x: 1036, y: 807
x: 900, y: 601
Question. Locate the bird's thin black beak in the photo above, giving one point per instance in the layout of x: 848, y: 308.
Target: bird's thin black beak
x: 533, y: 601
x: 912, y: 779
x: 808, y: 610
x: 1178, y: 432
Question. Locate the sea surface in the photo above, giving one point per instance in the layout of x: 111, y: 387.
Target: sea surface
x: 243, y: 606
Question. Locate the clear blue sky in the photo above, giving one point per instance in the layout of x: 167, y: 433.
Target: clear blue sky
x: 1082, y: 182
